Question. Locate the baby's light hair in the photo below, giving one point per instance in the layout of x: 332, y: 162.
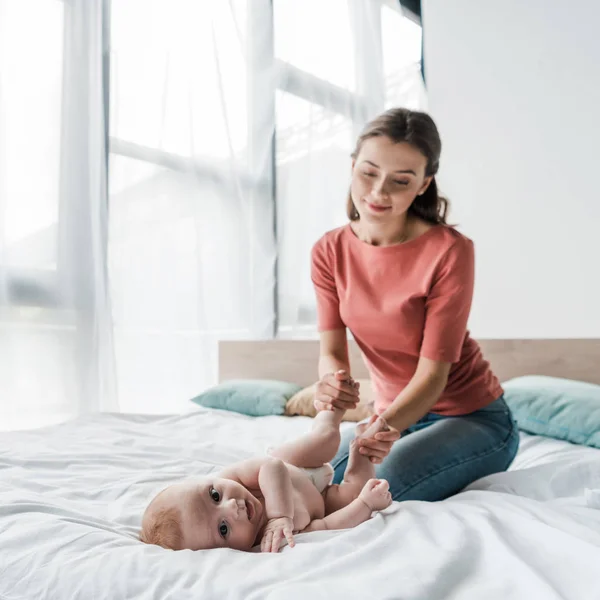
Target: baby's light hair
x: 162, y: 528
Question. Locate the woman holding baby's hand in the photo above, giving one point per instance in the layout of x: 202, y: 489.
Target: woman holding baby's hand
x: 401, y: 280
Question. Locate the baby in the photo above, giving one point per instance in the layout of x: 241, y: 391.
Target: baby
x: 266, y: 499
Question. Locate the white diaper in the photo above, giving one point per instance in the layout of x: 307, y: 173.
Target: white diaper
x: 320, y: 476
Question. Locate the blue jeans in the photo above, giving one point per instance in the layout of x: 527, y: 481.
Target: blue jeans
x: 438, y: 456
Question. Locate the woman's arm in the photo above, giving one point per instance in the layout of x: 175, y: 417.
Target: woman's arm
x: 415, y: 400
x: 333, y: 352
x: 447, y: 309
x: 335, y: 388
x: 377, y: 437
x: 419, y: 396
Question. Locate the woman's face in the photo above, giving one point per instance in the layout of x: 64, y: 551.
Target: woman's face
x: 386, y: 178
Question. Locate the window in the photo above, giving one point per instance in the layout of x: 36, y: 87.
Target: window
x: 31, y: 63
x: 231, y: 126
x: 362, y: 57
x: 41, y: 320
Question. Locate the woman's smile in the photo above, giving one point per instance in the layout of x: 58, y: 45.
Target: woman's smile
x: 377, y: 208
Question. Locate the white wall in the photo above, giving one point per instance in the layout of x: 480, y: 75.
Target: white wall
x: 515, y: 89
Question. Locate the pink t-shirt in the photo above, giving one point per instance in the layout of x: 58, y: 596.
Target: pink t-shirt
x: 405, y: 301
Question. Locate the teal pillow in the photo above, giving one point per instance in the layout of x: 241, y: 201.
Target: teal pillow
x: 559, y: 408
x: 253, y: 397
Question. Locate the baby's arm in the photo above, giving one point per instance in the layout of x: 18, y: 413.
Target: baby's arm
x: 271, y: 476
x: 375, y: 495
x: 351, y: 515
x: 276, y: 486
x: 273, y: 479
x: 245, y: 472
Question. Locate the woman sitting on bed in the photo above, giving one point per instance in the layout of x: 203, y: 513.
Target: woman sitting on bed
x: 401, y: 280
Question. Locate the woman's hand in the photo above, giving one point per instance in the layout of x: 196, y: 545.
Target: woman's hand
x: 336, y: 390
x: 376, y: 438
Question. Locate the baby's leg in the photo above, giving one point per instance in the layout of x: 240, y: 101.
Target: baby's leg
x: 316, y: 447
x: 359, y: 470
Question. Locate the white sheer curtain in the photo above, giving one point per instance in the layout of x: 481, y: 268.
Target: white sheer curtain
x: 192, y: 246
x: 231, y: 129
x: 56, y: 351
x: 230, y: 124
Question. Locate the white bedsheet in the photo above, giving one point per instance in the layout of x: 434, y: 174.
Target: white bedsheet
x: 71, y: 499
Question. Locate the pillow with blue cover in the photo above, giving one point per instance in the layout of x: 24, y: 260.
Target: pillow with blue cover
x: 564, y: 409
x: 252, y: 397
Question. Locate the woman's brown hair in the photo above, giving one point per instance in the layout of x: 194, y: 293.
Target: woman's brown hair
x: 417, y: 129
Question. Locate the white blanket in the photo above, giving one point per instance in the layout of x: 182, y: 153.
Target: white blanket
x: 71, y: 499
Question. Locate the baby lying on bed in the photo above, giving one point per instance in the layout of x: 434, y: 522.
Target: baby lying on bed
x: 267, y: 499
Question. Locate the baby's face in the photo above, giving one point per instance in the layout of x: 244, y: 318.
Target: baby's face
x: 216, y: 513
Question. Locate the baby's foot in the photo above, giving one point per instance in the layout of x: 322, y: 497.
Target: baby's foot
x: 379, y: 424
x: 376, y: 494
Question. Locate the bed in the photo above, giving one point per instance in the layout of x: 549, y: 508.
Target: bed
x: 71, y: 498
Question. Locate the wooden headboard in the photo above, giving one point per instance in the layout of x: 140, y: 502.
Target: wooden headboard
x: 296, y: 360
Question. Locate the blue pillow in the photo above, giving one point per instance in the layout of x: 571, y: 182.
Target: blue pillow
x: 253, y: 397
x: 559, y: 408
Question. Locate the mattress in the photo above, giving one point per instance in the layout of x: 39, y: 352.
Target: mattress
x: 72, y: 496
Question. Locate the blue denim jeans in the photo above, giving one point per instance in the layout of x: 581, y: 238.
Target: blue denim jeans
x: 438, y: 456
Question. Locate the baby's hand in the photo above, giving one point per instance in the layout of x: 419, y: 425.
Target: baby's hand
x: 375, y: 494
x: 275, y: 531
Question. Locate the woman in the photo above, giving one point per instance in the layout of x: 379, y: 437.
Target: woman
x: 401, y: 280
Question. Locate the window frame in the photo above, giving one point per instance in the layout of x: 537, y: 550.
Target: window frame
x: 31, y: 286
x: 38, y: 287
x: 26, y: 287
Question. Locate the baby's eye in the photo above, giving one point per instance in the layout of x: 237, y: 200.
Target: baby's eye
x: 223, y: 529
x: 214, y: 494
